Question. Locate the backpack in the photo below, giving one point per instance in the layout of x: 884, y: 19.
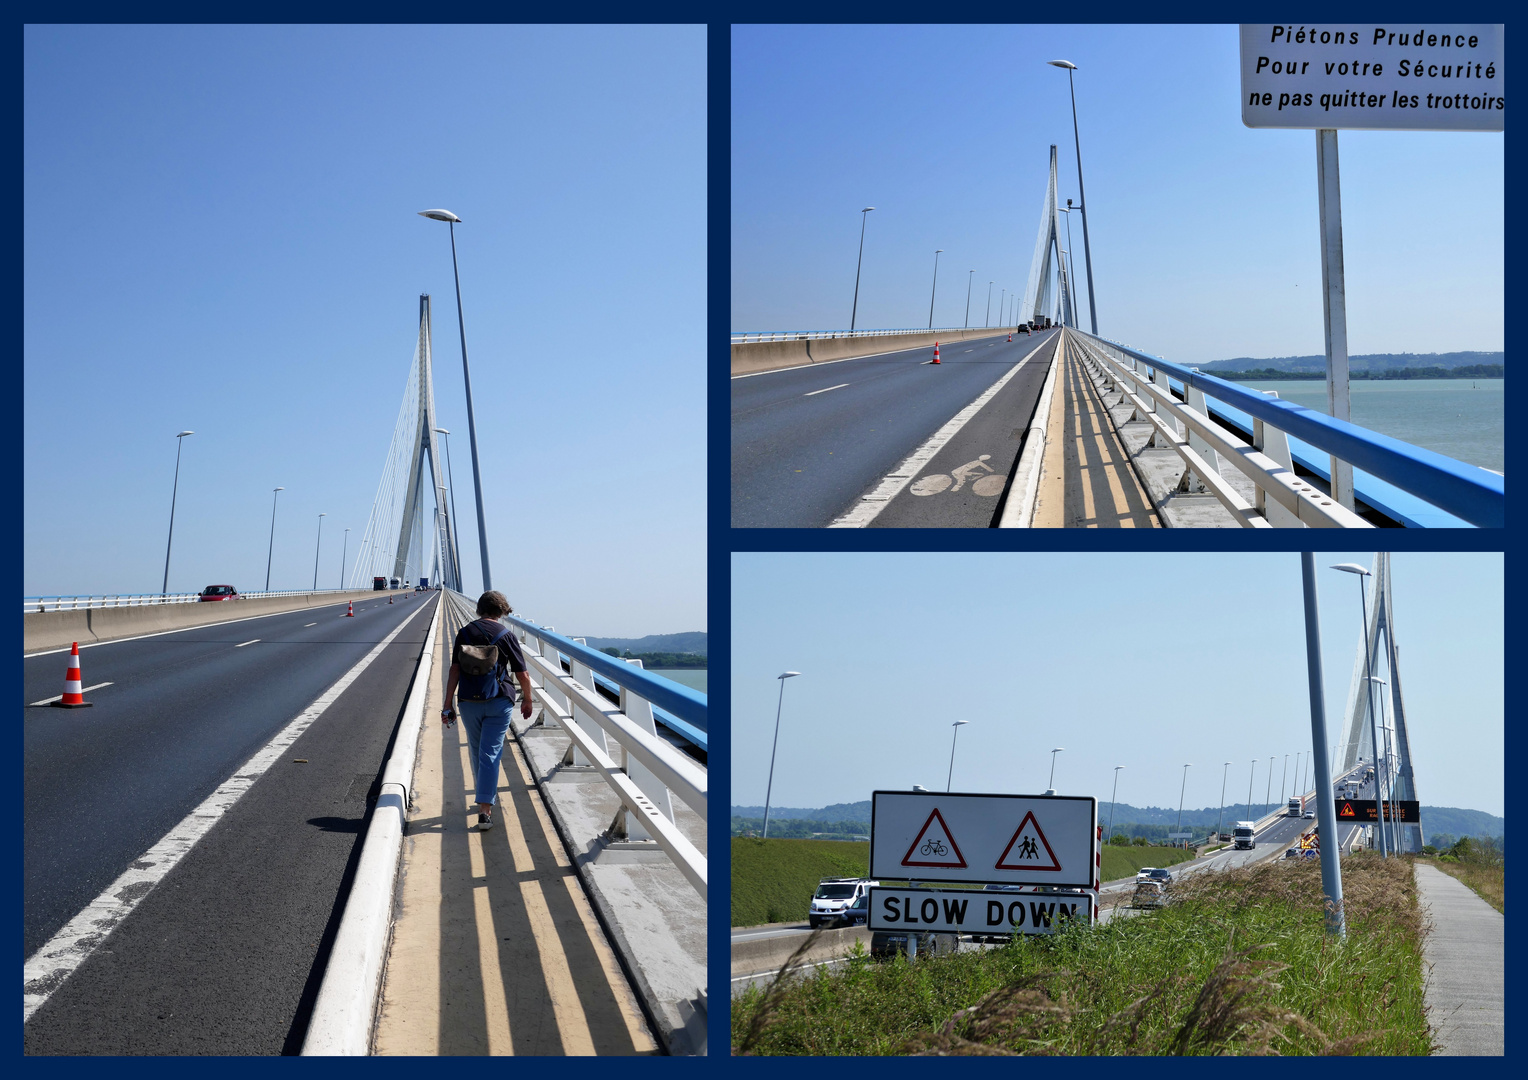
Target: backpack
x: 480, y: 670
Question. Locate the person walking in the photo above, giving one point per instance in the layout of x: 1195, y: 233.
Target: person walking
x: 483, y: 656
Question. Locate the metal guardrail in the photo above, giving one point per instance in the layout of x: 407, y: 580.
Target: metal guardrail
x: 30, y: 604
x: 1467, y: 491
x: 753, y: 337
x: 642, y: 768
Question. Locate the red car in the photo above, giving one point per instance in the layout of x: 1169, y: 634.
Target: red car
x: 218, y: 592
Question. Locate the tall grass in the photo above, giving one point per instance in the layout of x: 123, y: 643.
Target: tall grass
x: 1123, y: 862
x: 1238, y: 964
x: 773, y: 880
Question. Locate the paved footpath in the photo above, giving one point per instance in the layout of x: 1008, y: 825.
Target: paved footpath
x: 1464, y: 954
x: 496, y: 949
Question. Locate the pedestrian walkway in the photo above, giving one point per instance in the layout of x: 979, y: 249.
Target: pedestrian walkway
x: 1464, y: 954
x: 495, y: 948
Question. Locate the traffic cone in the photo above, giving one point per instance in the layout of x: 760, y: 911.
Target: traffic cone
x: 1010, y: 337
x: 389, y: 598
x: 936, y: 352
x: 73, y: 698
x: 350, y: 611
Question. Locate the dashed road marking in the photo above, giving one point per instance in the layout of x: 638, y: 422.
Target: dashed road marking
x: 825, y: 389
x: 308, y: 624
x: 60, y: 697
x: 251, y: 641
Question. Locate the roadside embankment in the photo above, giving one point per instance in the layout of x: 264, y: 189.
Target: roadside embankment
x: 773, y: 880
x: 759, y: 356
x: 56, y: 629
x: 767, y: 954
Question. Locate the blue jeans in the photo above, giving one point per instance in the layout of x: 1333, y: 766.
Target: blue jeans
x: 487, y: 722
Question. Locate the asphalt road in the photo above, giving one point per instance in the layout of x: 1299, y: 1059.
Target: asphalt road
x: 808, y: 442
x: 225, y: 954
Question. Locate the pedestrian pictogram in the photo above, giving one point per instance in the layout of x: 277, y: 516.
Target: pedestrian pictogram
x: 1028, y: 849
x: 934, y: 845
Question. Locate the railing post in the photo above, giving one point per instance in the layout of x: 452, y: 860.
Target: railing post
x: 584, y: 677
x: 550, y: 687
x: 1275, y: 444
x: 626, y: 825
x: 1193, y: 397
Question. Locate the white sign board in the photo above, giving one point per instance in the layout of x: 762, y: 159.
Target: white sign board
x: 1412, y: 76
x: 970, y: 911
x: 1001, y: 839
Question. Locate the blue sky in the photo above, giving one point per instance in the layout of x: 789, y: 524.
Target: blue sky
x: 220, y: 235
x: 1203, y: 232
x: 1144, y: 660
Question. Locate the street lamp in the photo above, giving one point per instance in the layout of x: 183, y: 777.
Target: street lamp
x: 933, y: 288
x: 456, y: 550
x: 957, y: 725
x: 477, y: 480
x: 1384, y: 727
x: 988, y: 320
x: 316, y: 546
x: 853, y: 315
x: 1051, y: 787
x: 1071, y: 273
x: 1299, y: 786
x: 1221, y: 817
x: 175, y: 490
x: 771, y: 787
x: 1363, y: 596
x: 1269, y: 793
x: 1182, y: 788
x: 1002, y: 307
x: 1250, y: 775
x: 971, y: 276
x: 272, y: 548
x: 1283, y: 779
x: 1082, y: 191
x: 1112, y: 794
x: 344, y: 551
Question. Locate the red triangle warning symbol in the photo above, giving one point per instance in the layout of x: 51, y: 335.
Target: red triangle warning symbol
x: 1028, y: 850
x: 1346, y: 810
x: 934, y: 845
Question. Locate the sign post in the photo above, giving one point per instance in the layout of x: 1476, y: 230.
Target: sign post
x: 1365, y: 76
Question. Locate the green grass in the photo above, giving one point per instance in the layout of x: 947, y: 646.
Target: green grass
x: 1123, y: 862
x: 773, y: 880
x: 1238, y: 964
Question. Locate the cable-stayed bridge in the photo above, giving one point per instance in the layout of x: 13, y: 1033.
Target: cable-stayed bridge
x: 278, y: 855
x: 1039, y: 423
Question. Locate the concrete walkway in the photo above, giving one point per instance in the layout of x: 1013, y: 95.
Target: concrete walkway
x: 1464, y: 954
x: 495, y: 948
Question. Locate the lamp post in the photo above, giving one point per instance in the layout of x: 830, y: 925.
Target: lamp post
x: 1051, y: 787
x: 1082, y: 191
x: 1181, y: 789
x: 971, y: 276
x: 1268, y: 794
x: 344, y: 551
x: 272, y: 548
x: 853, y: 315
x: 1298, y: 774
x: 316, y: 547
x: 1250, y: 775
x: 1071, y: 273
x: 477, y: 480
x: 1221, y: 817
x: 1112, y: 794
x: 164, y: 587
x: 957, y: 725
x: 1386, y: 821
x: 769, y: 790
x: 1283, y: 779
x: 1002, y: 307
x: 1326, y: 810
x: 1363, y: 596
x: 456, y: 550
x: 933, y: 289
x: 987, y: 322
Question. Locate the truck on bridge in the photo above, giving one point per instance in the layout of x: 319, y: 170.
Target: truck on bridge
x: 1242, y: 835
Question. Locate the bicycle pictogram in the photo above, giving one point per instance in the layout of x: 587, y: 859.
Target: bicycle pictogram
x: 934, y: 847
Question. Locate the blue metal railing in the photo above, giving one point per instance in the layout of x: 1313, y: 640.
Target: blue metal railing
x: 1467, y: 491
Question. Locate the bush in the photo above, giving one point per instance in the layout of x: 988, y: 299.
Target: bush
x: 1139, y: 841
x: 1119, y: 840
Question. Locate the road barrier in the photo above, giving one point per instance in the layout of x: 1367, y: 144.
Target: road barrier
x: 758, y: 955
x: 56, y: 628
x: 772, y: 350
x: 345, y: 1011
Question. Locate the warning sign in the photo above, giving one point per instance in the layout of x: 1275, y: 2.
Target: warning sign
x: 1028, y: 849
x: 1346, y: 811
x: 934, y: 846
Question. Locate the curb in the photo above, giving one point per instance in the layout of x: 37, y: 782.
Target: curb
x: 345, y: 1012
x: 1020, y: 513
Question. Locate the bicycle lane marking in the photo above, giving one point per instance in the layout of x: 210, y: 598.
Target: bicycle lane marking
x: 869, y: 506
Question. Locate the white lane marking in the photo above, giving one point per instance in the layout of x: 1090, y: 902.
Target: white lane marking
x: 767, y: 974
x: 865, y: 511
x: 251, y: 641
x: 308, y: 624
x: 60, y: 697
x: 162, y: 633
x: 825, y: 389
x: 52, y: 964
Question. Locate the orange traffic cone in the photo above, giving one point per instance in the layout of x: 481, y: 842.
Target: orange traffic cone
x: 936, y: 352
x: 73, y: 698
x: 350, y: 611
x: 1010, y: 337
x: 389, y: 598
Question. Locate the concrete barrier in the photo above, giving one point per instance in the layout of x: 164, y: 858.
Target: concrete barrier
x: 56, y: 629
x: 776, y: 355
x: 767, y: 954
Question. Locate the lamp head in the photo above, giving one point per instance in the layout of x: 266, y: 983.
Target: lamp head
x: 1062, y: 64
x: 279, y: 489
x: 442, y: 431
x: 183, y: 434
x: 788, y: 675
x: 867, y: 209
x: 960, y: 723
x: 1351, y: 568
x: 440, y: 215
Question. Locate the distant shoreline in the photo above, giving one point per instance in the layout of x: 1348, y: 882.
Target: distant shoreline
x: 1482, y: 371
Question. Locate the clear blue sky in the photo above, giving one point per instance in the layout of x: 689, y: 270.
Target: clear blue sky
x: 1142, y: 660
x: 220, y: 235
x: 1203, y: 232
